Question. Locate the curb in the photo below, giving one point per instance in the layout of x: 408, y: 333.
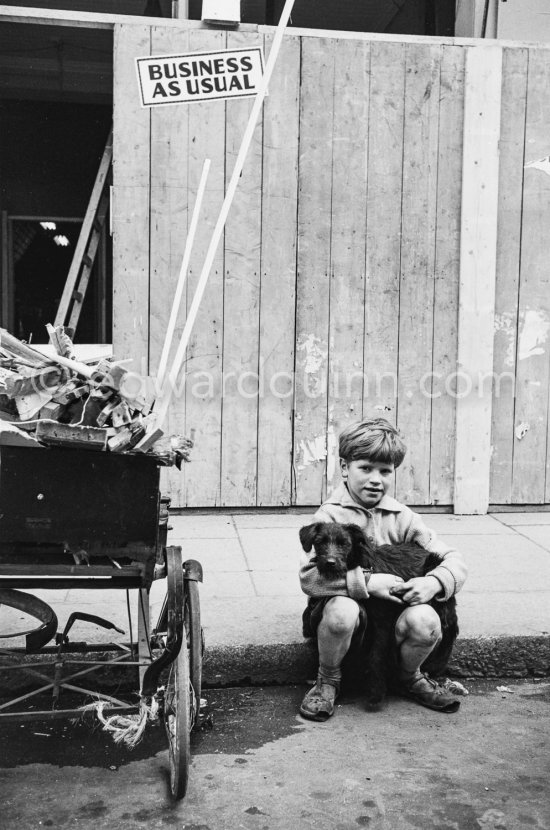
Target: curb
x: 291, y: 663
x: 297, y: 662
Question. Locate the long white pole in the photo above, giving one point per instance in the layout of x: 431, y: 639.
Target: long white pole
x: 164, y: 402
x: 182, y: 275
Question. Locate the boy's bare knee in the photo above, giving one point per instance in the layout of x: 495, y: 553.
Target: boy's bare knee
x: 419, y: 623
x: 341, y: 616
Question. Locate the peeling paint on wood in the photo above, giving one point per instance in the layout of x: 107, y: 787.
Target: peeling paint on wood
x: 533, y: 334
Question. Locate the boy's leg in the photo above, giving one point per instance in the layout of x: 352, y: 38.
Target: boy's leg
x: 417, y: 632
x: 340, y: 620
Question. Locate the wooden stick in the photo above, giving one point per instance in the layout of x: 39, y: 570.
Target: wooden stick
x: 182, y: 275
x: 22, y: 350
x: 85, y: 232
x: 74, y: 365
x: 167, y: 392
x: 19, y: 349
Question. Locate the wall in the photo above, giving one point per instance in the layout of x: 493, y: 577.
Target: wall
x: 527, y: 20
x: 336, y: 292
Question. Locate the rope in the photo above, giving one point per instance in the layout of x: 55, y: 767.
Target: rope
x: 126, y: 729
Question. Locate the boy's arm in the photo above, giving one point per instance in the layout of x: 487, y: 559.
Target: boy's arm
x: 314, y: 585
x: 452, y: 572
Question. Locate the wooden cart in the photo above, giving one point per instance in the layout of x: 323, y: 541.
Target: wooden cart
x: 74, y: 518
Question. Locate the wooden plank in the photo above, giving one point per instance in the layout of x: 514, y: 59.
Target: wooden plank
x: 313, y: 270
x: 92, y: 570
x: 383, y: 255
x: 90, y: 20
x: 278, y: 277
x: 203, y: 370
x: 477, y: 278
x: 447, y: 258
x: 532, y: 378
x: 425, y: 40
x: 130, y: 204
x: 348, y: 244
x: 512, y: 140
x: 85, y: 243
x: 169, y: 222
x: 416, y: 293
x: 241, y: 304
x: 169, y: 209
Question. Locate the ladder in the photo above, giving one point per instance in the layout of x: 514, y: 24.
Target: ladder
x: 82, y: 263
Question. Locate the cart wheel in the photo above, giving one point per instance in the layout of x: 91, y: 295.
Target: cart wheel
x: 192, y: 615
x: 177, y: 721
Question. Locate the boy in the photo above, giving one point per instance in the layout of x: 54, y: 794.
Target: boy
x: 370, y: 451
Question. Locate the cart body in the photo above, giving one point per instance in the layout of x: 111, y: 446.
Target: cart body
x: 80, y: 518
x: 59, y: 506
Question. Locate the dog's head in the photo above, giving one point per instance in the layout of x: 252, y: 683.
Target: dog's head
x: 337, y: 546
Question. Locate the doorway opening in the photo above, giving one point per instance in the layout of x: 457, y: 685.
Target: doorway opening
x: 40, y: 250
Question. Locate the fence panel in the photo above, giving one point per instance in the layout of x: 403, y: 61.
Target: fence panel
x: 335, y: 293
x: 203, y: 390
x: 131, y: 203
x: 447, y: 263
x: 313, y: 269
x: 512, y: 143
x: 278, y: 277
x: 168, y: 229
x: 532, y: 371
x: 416, y: 291
x: 348, y: 243
x: 384, y: 198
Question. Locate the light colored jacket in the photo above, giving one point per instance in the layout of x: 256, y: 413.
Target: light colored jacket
x: 388, y: 523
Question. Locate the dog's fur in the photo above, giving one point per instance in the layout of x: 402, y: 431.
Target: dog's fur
x: 342, y: 547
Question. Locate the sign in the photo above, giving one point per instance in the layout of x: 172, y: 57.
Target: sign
x: 202, y: 76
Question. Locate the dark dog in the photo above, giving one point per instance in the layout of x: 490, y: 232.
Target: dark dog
x: 341, y: 547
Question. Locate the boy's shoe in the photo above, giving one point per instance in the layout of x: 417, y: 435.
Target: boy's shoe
x: 318, y: 704
x: 428, y: 693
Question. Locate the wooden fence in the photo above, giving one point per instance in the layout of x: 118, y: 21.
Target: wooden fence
x: 335, y: 293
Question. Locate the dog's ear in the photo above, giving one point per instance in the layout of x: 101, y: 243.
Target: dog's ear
x: 357, y: 536
x: 307, y: 535
x: 358, y: 543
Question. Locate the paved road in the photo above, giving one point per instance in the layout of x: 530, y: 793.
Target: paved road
x: 262, y: 767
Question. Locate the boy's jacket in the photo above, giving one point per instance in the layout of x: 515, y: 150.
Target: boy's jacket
x: 388, y: 523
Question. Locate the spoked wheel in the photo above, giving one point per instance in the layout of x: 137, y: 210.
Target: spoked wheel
x: 192, y: 615
x: 177, y: 721
x: 182, y: 654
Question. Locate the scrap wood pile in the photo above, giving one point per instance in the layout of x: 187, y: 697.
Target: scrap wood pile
x: 60, y: 401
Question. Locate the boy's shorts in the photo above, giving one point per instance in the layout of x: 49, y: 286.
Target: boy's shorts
x: 313, y: 614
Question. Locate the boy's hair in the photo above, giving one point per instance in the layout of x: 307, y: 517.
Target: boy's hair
x: 374, y: 438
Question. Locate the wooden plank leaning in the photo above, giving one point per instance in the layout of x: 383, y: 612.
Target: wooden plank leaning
x: 161, y: 373
x: 87, y: 226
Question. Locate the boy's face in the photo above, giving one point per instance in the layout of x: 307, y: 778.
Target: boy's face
x: 367, y: 480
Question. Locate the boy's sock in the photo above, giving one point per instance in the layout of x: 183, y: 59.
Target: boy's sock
x: 330, y: 675
x: 407, y: 678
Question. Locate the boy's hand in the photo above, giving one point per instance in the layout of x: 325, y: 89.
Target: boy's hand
x: 419, y: 590
x: 383, y: 586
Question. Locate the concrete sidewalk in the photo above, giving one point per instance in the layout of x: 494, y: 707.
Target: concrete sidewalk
x: 251, y: 601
